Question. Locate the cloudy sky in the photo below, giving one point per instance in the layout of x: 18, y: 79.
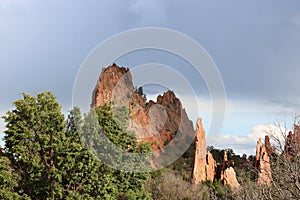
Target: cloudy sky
x: 255, y: 45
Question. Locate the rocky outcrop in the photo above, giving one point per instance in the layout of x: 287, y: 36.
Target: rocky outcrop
x: 199, y: 171
x: 292, y: 143
x: 229, y: 178
x: 154, y: 122
x: 263, y: 167
x: 268, y: 145
x: 205, y: 167
x: 114, y: 85
x: 204, y: 164
x: 226, y: 173
x: 210, y: 167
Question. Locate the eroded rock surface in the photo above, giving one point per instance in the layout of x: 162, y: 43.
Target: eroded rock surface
x: 226, y: 173
x: 204, y: 164
x: 229, y: 178
x: 263, y: 167
x: 292, y: 143
x: 155, y: 122
x: 210, y: 167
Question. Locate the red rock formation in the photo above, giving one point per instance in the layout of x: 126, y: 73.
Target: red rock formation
x: 292, y: 143
x: 199, y: 171
x: 226, y: 173
x: 114, y: 85
x: 268, y: 145
x: 154, y: 122
x: 229, y: 178
x: 210, y: 167
x: 204, y: 164
x: 264, y: 175
x: 225, y: 157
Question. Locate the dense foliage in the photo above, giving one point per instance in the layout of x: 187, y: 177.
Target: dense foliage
x: 44, y: 157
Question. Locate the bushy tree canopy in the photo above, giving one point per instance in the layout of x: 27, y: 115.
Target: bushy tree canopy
x: 45, y: 159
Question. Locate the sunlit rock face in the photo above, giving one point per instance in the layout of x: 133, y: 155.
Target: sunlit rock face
x: 226, y: 174
x: 204, y: 164
x: 199, y: 171
x: 155, y: 122
x: 229, y: 178
x: 263, y: 167
x: 113, y: 85
x: 210, y: 167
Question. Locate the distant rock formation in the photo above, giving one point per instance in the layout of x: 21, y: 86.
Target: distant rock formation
x: 154, y: 122
x: 268, y: 145
x: 229, y: 178
x: 205, y: 167
x: 226, y: 173
x: 292, y: 143
x: 210, y: 167
x: 263, y: 167
x: 204, y: 164
x: 199, y: 171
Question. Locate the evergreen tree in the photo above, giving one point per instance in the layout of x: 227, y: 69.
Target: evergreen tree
x: 130, y: 185
x: 46, y: 158
x: 34, y: 137
x: 9, y: 180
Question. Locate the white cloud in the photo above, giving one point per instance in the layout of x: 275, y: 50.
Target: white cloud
x: 246, y: 143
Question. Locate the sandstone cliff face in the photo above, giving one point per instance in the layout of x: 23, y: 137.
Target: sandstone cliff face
x: 113, y: 85
x: 264, y: 175
x: 154, y: 122
x: 204, y: 164
x: 199, y: 171
x: 210, y: 167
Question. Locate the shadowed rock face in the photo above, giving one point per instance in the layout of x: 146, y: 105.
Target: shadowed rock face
x: 263, y: 166
x: 204, y: 164
x: 268, y: 145
x: 292, y: 143
x: 154, y: 122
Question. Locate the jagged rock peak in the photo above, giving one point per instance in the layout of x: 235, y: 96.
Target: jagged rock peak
x: 114, y: 85
x: 292, y: 143
x: 153, y: 122
x: 199, y: 171
x: 263, y: 167
x: 204, y: 164
x: 268, y: 145
x: 168, y: 96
